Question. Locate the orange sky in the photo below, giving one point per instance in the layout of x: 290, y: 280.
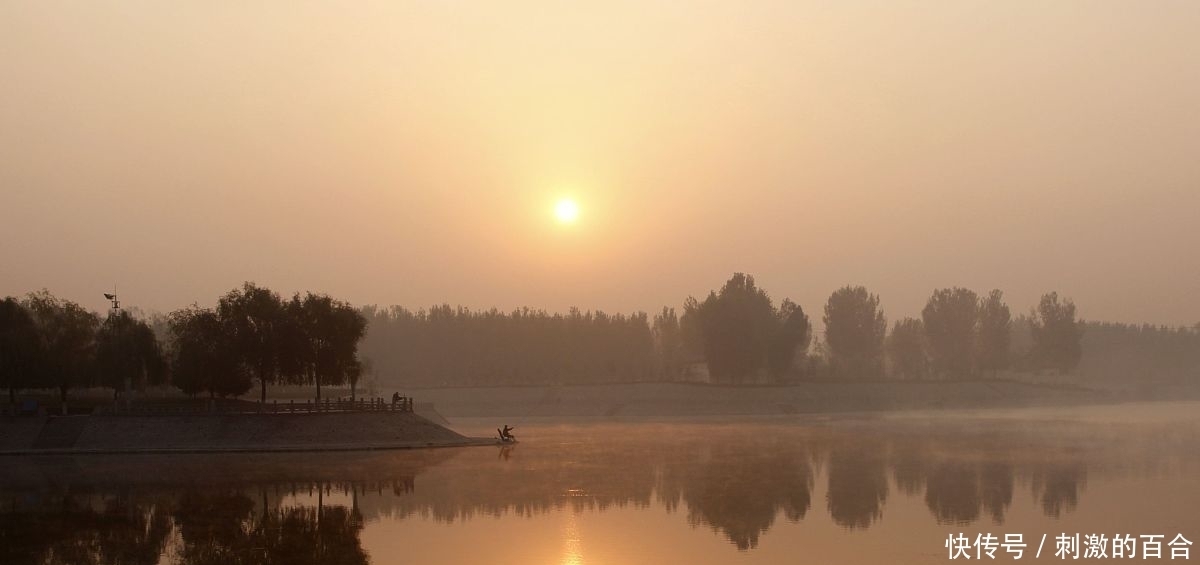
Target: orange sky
x: 412, y: 153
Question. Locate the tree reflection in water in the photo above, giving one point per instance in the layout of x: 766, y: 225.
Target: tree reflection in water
x: 100, y: 530
x: 858, y: 486
x: 736, y: 480
x: 1057, y: 487
x: 221, y: 528
x: 740, y: 492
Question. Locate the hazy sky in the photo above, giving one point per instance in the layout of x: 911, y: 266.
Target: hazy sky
x: 412, y: 152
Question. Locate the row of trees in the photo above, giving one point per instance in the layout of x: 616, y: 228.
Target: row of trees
x: 50, y: 343
x: 741, y: 336
x: 961, y: 334
x: 255, y: 336
x: 252, y: 336
x: 737, y: 332
x: 1144, y: 352
x: 445, y: 346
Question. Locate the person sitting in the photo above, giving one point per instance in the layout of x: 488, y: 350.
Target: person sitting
x: 506, y: 433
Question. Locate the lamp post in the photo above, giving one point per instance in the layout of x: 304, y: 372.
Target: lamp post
x: 116, y: 309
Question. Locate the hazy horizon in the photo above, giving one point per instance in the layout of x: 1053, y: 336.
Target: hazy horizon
x: 412, y: 153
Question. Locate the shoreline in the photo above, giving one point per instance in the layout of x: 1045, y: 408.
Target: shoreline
x: 671, y: 400
x: 470, y: 442
x: 483, y: 407
x: 224, y: 433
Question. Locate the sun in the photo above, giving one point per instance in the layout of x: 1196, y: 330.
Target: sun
x: 566, y: 211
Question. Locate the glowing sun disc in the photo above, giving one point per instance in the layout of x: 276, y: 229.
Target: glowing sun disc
x: 566, y: 211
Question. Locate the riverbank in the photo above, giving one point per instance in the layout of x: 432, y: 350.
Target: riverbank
x: 649, y: 400
x: 208, y: 433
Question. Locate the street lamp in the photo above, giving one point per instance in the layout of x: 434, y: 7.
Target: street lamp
x: 116, y: 306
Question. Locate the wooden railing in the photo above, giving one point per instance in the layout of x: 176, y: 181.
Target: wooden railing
x: 310, y: 406
x: 404, y: 404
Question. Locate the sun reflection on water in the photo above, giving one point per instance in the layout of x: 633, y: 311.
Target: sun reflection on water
x: 572, y: 545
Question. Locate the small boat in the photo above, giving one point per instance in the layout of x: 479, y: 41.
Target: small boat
x: 505, y: 437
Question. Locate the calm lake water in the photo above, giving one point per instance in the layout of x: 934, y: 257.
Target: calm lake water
x: 844, y: 489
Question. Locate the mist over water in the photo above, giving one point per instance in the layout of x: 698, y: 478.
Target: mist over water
x: 846, y: 489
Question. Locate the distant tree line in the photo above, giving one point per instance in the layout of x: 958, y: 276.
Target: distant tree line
x: 962, y: 335
x: 253, y: 336
x: 446, y: 346
x: 742, y: 337
x: 1141, y: 353
x: 737, y: 333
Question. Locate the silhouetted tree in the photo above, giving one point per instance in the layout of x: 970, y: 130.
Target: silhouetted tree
x: 204, y: 358
x: 791, y: 339
x: 68, y: 333
x: 689, y: 331
x: 950, y: 317
x: 328, y: 333
x: 254, y: 316
x: 908, y: 350
x: 736, y: 325
x: 128, y: 354
x: 742, y: 333
x: 854, y: 332
x: 20, y: 347
x: 668, y: 344
x: 995, y: 333
x: 1056, y: 334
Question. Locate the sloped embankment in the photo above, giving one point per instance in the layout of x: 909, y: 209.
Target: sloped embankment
x: 228, y: 432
